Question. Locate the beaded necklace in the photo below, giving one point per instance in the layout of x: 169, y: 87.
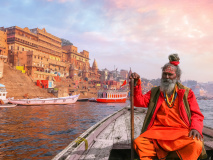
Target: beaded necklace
x: 174, y: 95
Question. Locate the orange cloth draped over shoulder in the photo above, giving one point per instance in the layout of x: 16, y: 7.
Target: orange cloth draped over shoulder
x: 168, y: 133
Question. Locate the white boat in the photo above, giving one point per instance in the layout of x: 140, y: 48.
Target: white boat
x: 3, y: 94
x: 38, y: 101
x: 7, y: 105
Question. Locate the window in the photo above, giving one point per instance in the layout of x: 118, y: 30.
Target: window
x: 22, y: 49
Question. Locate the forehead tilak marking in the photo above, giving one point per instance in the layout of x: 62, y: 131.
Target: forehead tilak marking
x: 169, y: 69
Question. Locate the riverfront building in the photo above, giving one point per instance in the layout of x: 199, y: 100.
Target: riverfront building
x: 3, y: 44
x: 41, y: 54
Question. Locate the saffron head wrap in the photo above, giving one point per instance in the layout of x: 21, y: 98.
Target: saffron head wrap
x: 174, y: 59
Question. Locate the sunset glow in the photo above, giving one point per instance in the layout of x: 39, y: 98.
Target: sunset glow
x: 126, y: 33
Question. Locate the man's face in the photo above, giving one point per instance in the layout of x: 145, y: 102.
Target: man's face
x: 169, y: 73
x: 168, y: 80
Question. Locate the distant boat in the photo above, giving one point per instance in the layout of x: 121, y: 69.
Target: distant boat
x: 112, y: 96
x: 39, y: 101
x: 3, y: 94
x: 83, y: 99
x: 92, y: 99
x: 7, y: 105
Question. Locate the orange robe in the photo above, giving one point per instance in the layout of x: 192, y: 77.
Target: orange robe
x: 168, y: 133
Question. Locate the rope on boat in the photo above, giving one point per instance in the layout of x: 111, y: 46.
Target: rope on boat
x: 80, y: 139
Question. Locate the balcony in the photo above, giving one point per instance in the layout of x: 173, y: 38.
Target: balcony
x: 27, y: 39
x: 44, y: 73
x: 57, y: 63
x: 3, y: 57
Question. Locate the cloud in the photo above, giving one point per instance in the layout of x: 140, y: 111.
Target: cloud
x: 126, y: 33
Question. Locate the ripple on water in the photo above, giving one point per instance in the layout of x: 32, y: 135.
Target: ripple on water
x: 40, y: 132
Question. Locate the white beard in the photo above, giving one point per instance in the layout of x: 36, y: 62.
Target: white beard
x: 167, y: 85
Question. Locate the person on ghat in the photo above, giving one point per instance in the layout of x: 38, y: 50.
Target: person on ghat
x: 173, y: 121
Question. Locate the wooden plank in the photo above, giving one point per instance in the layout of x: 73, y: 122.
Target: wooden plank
x: 208, y: 132
x: 139, y: 118
x: 127, y: 123
x: 138, y: 121
x: 119, y: 132
x: 209, y: 144
x: 107, y: 132
x: 99, y: 151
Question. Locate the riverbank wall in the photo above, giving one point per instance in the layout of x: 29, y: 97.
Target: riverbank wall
x: 20, y: 85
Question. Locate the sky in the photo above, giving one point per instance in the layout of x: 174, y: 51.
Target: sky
x: 124, y: 34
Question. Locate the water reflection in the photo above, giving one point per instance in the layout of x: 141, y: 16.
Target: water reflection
x: 40, y: 132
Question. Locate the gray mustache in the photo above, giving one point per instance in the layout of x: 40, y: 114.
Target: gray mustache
x: 167, y: 80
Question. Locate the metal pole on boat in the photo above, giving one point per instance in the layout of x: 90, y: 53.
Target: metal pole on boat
x: 132, y: 116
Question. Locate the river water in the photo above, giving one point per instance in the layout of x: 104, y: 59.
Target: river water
x: 40, y: 132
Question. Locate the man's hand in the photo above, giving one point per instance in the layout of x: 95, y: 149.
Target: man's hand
x: 195, y: 133
x: 134, y: 76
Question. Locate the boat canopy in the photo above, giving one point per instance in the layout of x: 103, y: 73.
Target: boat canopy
x: 1, y: 85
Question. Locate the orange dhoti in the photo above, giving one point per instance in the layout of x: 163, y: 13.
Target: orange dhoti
x: 168, y: 133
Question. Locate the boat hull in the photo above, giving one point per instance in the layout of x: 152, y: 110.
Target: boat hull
x: 92, y: 100
x: 48, y: 101
x: 108, y: 100
x: 7, y: 105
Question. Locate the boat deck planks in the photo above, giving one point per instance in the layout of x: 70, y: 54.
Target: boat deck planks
x: 119, y: 133
x: 100, y: 150
x: 114, y: 133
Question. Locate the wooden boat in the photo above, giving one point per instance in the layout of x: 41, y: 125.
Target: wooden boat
x: 39, y: 101
x: 112, y: 97
x: 111, y: 139
x: 92, y: 99
x: 83, y: 99
x: 7, y: 105
x: 3, y: 94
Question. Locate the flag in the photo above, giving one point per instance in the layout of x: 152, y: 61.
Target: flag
x: 124, y: 83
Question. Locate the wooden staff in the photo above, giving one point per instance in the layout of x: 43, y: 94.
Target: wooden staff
x: 132, y: 116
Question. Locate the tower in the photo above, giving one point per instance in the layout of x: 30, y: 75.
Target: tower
x: 95, y: 67
x: 85, y: 72
x: 73, y: 72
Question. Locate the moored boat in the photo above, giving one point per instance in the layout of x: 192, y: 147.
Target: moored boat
x: 7, y: 105
x: 92, y: 99
x: 3, y: 94
x: 82, y: 99
x: 112, y: 97
x: 111, y: 139
x: 52, y: 101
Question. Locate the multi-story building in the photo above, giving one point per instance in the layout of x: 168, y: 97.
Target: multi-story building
x: 41, y: 54
x: 124, y: 74
x: 3, y: 45
x: 80, y: 60
x: 3, y: 51
x: 104, y: 75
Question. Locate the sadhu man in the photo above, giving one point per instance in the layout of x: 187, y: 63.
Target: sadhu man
x: 173, y: 121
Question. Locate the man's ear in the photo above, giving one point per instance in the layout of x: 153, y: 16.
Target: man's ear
x: 178, y: 78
